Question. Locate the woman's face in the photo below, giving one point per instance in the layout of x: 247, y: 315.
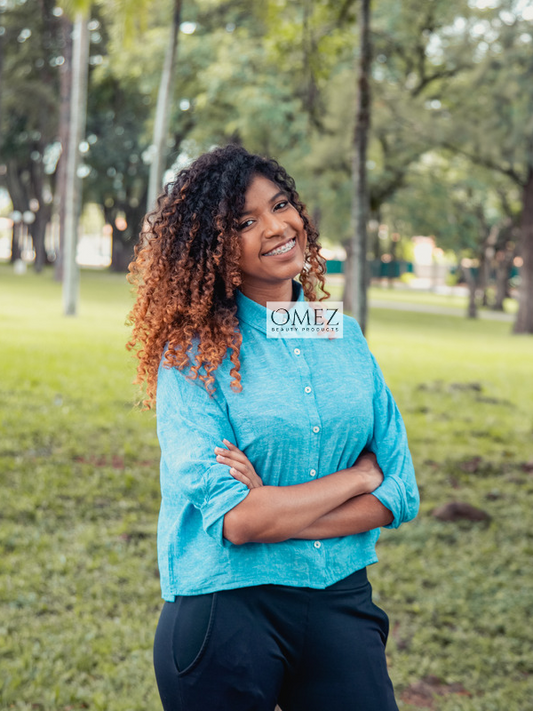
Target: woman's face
x: 273, y: 238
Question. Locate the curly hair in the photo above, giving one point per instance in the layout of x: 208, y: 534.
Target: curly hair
x: 186, y: 266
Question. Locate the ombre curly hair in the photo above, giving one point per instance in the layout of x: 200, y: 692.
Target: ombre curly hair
x: 186, y: 266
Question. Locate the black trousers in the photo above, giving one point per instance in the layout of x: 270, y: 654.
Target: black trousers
x: 252, y: 648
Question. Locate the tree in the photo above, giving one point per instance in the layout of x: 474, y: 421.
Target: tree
x: 118, y: 176
x: 161, y: 123
x: 359, y: 171
x: 28, y: 118
x: 485, y: 115
x: 65, y: 81
x: 77, y: 119
x: 466, y: 211
x: 72, y: 197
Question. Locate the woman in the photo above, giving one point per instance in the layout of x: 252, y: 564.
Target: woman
x: 281, y: 458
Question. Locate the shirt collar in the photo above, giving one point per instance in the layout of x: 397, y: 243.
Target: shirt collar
x: 255, y: 314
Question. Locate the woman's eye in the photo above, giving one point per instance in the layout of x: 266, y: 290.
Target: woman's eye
x: 281, y: 205
x: 245, y: 224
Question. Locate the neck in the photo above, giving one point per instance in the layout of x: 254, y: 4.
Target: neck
x: 269, y: 292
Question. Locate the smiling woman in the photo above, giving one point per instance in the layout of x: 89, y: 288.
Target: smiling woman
x: 203, y: 243
x: 275, y: 483
x: 273, y: 243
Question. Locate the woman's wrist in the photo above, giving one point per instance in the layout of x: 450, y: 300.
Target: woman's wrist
x: 367, y: 472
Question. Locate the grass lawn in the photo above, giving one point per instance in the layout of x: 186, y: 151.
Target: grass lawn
x: 79, y: 590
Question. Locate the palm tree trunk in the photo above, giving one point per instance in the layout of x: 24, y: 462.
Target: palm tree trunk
x: 78, y: 109
x: 359, y: 274
x: 158, y: 148
x: 65, y: 82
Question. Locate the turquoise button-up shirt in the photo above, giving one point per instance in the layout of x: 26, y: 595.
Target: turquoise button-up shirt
x: 307, y: 409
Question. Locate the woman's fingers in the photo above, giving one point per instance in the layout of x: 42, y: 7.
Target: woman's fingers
x: 229, y: 460
x: 234, y: 454
x: 236, y: 474
x: 234, y: 458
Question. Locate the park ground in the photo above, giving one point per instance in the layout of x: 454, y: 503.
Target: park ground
x: 79, y: 589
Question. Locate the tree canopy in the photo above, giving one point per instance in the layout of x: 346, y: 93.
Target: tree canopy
x: 451, y: 109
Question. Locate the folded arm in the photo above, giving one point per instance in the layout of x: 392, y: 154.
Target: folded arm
x: 360, y: 514
x: 270, y: 514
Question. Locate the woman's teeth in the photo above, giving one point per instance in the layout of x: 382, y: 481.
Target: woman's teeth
x: 282, y: 249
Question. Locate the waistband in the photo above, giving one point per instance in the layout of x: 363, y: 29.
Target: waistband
x: 355, y: 580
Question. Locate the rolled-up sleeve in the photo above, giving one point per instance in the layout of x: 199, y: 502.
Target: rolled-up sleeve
x: 398, y: 491
x: 190, y: 424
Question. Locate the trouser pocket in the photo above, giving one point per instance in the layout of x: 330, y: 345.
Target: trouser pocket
x: 193, y: 620
x: 383, y: 622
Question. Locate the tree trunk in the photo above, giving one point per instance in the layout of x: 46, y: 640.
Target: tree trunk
x: 65, y: 82
x: 504, y: 261
x: 524, y: 319
x: 15, y: 242
x: 121, y: 252
x: 124, y: 241
x: 360, y: 201
x: 78, y: 108
x: 484, y: 274
x: 42, y: 214
x: 18, y: 192
x: 38, y: 233
x: 159, y: 148
x: 472, y: 288
x: 1, y: 77
x: 348, y: 280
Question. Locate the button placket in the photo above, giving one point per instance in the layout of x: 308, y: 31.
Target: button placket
x: 311, y: 407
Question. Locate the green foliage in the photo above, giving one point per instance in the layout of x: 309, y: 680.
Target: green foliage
x: 29, y: 79
x: 79, y: 590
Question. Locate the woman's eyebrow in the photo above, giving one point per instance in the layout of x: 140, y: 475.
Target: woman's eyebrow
x: 272, y: 199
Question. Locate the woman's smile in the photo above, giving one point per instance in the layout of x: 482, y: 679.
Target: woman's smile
x: 284, y: 249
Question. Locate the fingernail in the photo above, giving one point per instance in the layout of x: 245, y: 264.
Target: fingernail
x: 226, y: 441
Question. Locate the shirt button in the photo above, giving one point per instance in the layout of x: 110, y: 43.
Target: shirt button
x: 307, y: 389
x: 317, y: 544
x: 316, y: 429
x: 297, y: 351
x: 312, y: 472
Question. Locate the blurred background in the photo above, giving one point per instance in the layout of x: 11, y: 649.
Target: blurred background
x: 408, y: 127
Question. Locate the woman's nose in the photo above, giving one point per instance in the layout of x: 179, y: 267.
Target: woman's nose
x: 273, y: 225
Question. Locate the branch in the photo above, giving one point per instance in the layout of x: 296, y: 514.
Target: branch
x: 445, y: 73
x: 345, y: 8
x: 485, y: 162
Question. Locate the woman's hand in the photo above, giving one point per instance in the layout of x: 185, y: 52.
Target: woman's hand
x: 367, y: 466
x: 240, y: 466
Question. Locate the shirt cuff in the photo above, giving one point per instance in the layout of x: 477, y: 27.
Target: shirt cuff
x: 213, y: 511
x: 391, y: 493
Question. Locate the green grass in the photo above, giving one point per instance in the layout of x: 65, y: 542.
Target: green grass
x: 79, y: 590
